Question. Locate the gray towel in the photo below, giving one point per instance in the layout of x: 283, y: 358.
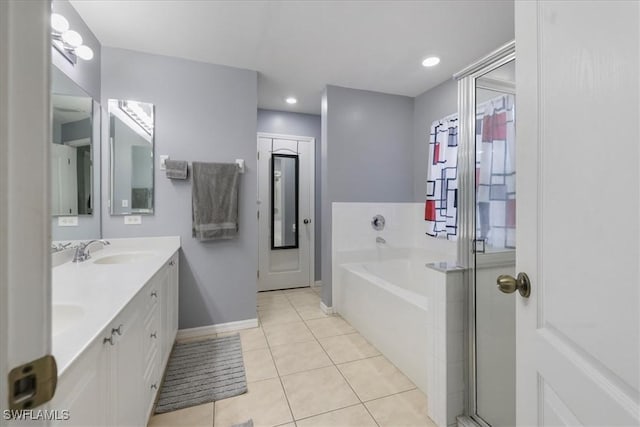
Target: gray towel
x: 176, y: 169
x: 214, y: 200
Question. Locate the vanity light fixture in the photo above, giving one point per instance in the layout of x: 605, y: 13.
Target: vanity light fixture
x: 291, y: 100
x: 431, y: 61
x: 68, y: 42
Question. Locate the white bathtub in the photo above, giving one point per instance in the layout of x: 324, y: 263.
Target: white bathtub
x: 389, y: 303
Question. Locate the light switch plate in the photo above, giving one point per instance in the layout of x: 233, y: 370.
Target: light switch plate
x: 163, y: 162
x: 133, y: 220
x: 68, y: 221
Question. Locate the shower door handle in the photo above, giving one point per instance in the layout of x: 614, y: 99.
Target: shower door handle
x: 509, y: 284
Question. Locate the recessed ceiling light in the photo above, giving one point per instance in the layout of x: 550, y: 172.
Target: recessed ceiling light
x: 431, y: 61
x: 291, y: 100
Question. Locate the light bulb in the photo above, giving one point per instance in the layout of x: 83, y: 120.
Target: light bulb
x: 84, y: 52
x: 431, y: 61
x: 291, y: 100
x: 59, y: 23
x: 72, y: 38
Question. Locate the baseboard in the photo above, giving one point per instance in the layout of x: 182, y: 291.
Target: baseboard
x: 317, y: 283
x: 216, y: 329
x: 326, y: 310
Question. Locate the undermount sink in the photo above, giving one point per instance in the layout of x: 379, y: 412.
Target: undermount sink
x: 125, y: 258
x: 63, y: 316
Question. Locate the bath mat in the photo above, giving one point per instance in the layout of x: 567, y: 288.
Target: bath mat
x: 202, y: 372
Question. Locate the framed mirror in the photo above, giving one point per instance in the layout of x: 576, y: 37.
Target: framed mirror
x: 131, y: 137
x: 284, y: 201
x: 71, y: 156
x: 74, y: 151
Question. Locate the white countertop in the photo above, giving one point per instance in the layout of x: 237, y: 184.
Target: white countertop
x: 96, y: 293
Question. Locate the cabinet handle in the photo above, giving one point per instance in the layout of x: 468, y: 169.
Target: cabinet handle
x: 108, y: 340
x: 154, y: 386
x: 154, y: 294
x: 172, y: 262
x: 154, y: 335
x: 117, y: 330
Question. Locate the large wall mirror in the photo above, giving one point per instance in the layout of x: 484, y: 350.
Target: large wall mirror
x: 75, y: 160
x: 284, y: 201
x: 131, y: 136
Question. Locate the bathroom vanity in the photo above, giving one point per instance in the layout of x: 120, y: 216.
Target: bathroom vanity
x: 114, y: 321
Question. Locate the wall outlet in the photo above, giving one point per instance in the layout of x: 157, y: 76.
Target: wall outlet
x: 68, y: 221
x: 163, y: 162
x: 133, y: 220
x: 125, y: 203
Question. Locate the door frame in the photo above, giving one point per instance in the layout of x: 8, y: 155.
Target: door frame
x: 466, y: 209
x: 312, y: 197
x: 25, y: 212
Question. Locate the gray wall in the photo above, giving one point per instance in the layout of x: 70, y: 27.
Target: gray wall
x: 207, y: 113
x: 287, y: 123
x: 86, y: 75
x: 431, y: 105
x: 367, y: 155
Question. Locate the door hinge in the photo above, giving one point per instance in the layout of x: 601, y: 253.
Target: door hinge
x: 258, y: 214
x: 258, y: 155
x: 32, y: 384
x: 258, y: 274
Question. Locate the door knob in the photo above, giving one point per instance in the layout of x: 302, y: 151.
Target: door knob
x: 307, y: 221
x: 509, y: 284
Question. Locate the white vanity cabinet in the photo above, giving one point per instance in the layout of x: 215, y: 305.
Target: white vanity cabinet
x: 115, y: 380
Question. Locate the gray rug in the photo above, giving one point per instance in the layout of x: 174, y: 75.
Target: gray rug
x: 201, y: 372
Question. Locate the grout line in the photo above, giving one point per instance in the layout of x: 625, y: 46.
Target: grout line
x: 213, y: 421
x: 346, y: 381
x: 284, y: 391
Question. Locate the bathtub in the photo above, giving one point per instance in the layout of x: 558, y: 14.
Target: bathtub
x: 388, y: 302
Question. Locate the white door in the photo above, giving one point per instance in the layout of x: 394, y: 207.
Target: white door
x: 285, y: 211
x: 578, y: 213
x: 25, y: 114
x: 64, y: 180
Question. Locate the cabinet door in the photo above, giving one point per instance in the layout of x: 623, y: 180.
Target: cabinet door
x: 127, y: 359
x: 82, y: 389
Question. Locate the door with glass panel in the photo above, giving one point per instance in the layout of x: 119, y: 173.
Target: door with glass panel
x: 285, y: 211
x: 488, y: 114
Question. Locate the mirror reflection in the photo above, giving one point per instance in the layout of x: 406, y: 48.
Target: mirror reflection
x: 284, y: 201
x: 71, y: 154
x: 131, y: 133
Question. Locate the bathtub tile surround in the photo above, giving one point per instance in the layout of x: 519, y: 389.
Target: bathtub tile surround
x: 412, y: 313
x: 340, y: 379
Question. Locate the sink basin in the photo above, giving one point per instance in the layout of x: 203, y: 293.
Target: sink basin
x: 63, y: 316
x: 126, y: 258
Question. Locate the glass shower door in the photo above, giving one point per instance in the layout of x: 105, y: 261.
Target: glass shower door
x: 494, y: 245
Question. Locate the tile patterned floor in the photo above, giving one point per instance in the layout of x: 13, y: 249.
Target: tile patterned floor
x: 307, y: 369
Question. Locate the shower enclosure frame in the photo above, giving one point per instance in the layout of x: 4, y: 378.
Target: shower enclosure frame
x: 467, y: 85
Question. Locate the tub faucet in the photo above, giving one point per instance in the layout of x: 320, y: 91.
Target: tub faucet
x: 82, y: 250
x: 380, y: 240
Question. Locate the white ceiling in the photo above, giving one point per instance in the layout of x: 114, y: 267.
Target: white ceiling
x: 298, y: 47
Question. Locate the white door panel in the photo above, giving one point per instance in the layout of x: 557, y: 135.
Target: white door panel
x: 285, y: 268
x: 578, y: 214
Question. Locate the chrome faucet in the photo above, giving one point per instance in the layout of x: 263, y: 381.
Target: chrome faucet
x: 82, y: 250
x: 59, y: 247
x: 380, y: 240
